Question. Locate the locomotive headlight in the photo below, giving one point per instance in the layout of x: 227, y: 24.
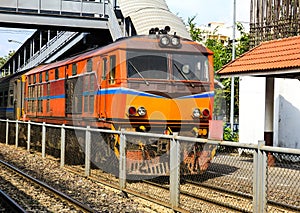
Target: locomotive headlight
x: 142, y: 111
x: 175, y: 41
x: 205, y: 113
x: 196, y: 113
x: 132, y: 111
x: 186, y: 69
x: 165, y: 41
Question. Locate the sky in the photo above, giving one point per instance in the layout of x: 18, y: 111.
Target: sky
x: 211, y: 10
x: 205, y: 11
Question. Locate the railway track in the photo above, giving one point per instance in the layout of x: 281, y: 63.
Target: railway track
x: 193, y: 194
x: 34, y: 195
x: 137, y: 188
x: 7, y: 204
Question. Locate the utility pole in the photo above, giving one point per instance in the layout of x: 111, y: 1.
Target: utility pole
x: 233, y: 57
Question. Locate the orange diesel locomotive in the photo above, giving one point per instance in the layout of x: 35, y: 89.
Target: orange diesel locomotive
x: 156, y: 83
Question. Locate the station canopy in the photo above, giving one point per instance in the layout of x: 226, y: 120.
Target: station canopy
x: 147, y: 14
x: 277, y: 58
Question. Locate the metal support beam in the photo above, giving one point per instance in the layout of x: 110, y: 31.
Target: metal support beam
x: 259, y: 179
x: 174, y: 171
x: 67, y: 23
x: 88, y: 151
x: 122, y: 161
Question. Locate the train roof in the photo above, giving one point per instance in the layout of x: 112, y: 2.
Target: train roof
x: 129, y: 43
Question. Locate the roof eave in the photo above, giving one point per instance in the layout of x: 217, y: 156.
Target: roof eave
x: 264, y: 73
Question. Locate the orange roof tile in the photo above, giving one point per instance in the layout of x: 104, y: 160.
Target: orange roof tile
x: 268, y: 56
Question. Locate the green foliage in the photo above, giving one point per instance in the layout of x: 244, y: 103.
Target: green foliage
x: 5, y: 58
x: 195, y: 33
x: 229, y: 135
x: 222, y: 56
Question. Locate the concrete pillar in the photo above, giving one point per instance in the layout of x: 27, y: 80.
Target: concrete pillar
x: 269, y: 117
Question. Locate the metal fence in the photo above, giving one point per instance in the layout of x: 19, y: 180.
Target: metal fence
x: 240, y: 177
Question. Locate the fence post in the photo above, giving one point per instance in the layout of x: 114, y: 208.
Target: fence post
x: 7, y: 129
x: 122, y: 161
x: 62, y: 146
x: 28, y: 135
x: 17, y: 133
x: 260, y: 179
x: 43, y: 140
x: 174, y: 171
x: 87, y: 151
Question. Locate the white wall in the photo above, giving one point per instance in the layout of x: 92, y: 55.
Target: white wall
x: 251, y: 109
x: 287, y: 113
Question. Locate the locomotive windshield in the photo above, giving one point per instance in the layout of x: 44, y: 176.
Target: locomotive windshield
x: 147, y: 65
x: 153, y: 65
x: 190, y: 67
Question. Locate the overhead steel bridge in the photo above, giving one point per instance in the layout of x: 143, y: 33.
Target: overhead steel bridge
x: 67, y: 27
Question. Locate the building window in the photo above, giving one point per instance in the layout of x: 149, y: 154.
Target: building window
x: 34, y: 78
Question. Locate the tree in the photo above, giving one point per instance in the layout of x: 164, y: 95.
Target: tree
x: 222, y: 56
x: 4, y: 59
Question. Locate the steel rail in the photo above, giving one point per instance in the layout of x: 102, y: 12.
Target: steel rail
x: 105, y: 182
x: 203, y: 198
x: 59, y: 194
x: 7, y: 201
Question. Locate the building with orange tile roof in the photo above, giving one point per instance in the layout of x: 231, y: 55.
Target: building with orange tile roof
x: 269, y: 83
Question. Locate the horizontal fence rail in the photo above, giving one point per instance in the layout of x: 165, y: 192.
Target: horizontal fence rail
x: 267, y: 176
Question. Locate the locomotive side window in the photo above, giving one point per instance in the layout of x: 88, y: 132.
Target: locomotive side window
x: 147, y: 65
x: 74, y: 69
x: 48, y: 100
x: 41, y: 77
x: 89, y: 65
x: 112, y: 70
x: 34, y: 97
x: 74, y: 95
x: 56, y: 73
x: 11, y: 97
x: 104, y: 68
x: 47, y: 75
x: 29, y: 97
x: 91, y: 98
x: 86, y: 96
x: 39, y: 95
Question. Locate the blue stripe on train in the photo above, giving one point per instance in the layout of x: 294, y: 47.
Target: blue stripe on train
x: 125, y: 91
x: 3, y: 109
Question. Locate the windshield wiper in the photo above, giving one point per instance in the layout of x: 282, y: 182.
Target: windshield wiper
x: 136, y: 70
x: 183, y: 75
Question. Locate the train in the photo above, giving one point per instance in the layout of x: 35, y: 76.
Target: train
x: 156, y: 83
